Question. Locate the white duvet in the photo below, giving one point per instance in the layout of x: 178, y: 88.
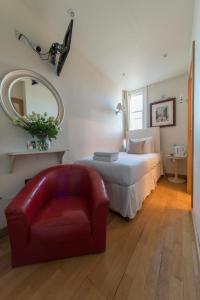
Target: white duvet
x: 127, y: 170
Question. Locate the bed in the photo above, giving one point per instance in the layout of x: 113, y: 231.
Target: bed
x: 131, y: 178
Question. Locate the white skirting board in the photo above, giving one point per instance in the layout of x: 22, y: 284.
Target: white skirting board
x: 196, y: 237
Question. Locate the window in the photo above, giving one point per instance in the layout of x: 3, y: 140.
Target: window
x: 136, y: 110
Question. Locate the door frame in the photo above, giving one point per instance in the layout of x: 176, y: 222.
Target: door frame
x: 191, y: 125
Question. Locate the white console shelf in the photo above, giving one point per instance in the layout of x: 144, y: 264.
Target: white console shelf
x: 14, y: 155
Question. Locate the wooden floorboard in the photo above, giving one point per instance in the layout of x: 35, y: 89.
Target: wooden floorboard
x: 152, y: 257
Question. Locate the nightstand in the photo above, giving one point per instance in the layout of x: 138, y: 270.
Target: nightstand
x: 176, y: 160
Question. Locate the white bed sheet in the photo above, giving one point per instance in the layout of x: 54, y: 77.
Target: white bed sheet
x: 127, y: 170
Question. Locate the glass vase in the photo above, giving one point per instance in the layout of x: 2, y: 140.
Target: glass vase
x: 43, y: 144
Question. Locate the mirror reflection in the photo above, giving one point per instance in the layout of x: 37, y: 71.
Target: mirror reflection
x: 29, y: 95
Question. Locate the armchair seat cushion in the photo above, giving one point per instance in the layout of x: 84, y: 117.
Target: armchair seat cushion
x: 62, y: 219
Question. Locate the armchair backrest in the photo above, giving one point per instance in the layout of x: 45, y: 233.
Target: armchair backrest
x: 69, y: 180
x: 58, y: 181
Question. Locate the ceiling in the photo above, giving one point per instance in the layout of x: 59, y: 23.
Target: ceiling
x: 123, y: 36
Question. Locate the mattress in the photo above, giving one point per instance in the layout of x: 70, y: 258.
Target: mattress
x: 127, y: 170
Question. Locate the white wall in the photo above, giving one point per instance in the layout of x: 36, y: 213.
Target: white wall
x: 89, y: 98
x: 173, y: 87
x: 196, y: 186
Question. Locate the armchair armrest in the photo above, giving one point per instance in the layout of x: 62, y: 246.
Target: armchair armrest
x: 99, y: 200
x: 24, y: 207
x: 29, y: 200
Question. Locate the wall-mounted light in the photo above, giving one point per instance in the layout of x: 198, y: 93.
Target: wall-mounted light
x: 119, y: 108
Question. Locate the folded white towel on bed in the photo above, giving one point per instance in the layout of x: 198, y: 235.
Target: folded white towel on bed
x: 106, y: 158
x: 106, y: 154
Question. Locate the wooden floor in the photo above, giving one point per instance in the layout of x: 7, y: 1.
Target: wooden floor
x: 151, y: 257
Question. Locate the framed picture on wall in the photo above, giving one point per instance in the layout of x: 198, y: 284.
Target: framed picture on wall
x: 163, y: 113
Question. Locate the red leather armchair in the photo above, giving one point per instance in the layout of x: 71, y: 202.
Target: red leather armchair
x: 61, y: 212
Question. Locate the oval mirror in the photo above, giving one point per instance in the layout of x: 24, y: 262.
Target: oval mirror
x: 25, y: 92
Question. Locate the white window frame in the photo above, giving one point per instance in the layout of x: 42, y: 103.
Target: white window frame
x: 142, y: 91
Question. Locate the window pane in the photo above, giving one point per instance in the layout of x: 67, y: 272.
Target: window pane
x: 136, y: 124
x: 136, y: 102
x: 136, y: 115
x: 136, y: 111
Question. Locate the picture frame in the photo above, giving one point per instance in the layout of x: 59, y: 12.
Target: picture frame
x: 31, y: 144
x: 163, y: 113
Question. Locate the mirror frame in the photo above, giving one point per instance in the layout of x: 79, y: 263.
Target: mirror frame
x: 12, y: 77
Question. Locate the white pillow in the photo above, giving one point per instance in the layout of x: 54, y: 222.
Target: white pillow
x: 148, y: 145
x: 135, y: 147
